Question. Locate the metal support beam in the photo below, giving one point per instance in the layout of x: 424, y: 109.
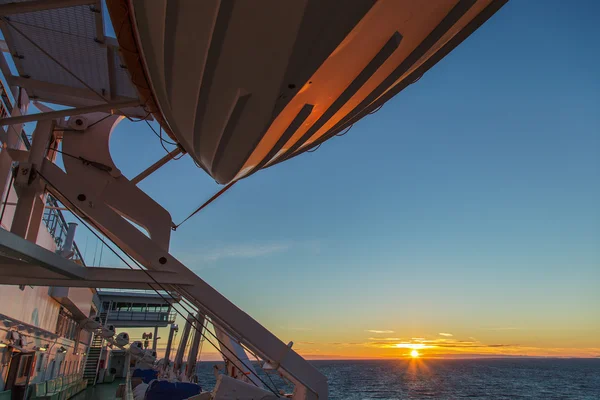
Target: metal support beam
x: 18, y: 281
x: 144, y: 174
x: 174, y: 328
x: 193, y: 354
x: 11, y: 140
x: 68, y: 244
x: 107, y: 107
x: 155, y: 338
x: 15, y: 272
x: 39, y: 5
x: 47, y: 207
x: 19, y: 248
x: 24, y: 208
x: 32, y: 85
x: 99, y: 21
x: 35, y: 219
x: 27, y: 188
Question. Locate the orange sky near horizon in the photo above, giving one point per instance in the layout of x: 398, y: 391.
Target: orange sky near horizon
x: 390, y: 344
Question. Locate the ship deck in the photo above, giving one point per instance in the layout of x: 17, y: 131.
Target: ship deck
x: 102, y: 391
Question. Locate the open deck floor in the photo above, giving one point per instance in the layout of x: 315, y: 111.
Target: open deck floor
x: 102, y: 391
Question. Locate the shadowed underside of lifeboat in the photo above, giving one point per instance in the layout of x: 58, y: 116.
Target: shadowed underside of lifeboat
x: 242, y: 85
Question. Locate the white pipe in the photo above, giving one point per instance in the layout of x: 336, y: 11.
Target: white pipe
x: 68, y: 246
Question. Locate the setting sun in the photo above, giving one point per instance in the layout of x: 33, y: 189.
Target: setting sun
x: 414, y: 354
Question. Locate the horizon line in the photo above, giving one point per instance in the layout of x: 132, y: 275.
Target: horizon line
x: 444, y: 358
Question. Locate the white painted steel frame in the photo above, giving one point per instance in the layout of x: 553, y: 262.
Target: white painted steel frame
x: 101, y: 207
x: 310, y: 383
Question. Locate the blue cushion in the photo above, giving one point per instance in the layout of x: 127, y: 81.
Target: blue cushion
x: 146, y: 374
x: 165, y: 390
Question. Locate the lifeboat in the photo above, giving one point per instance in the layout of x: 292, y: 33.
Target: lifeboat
x: 244, y: 85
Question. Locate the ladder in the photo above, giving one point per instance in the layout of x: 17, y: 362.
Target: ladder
x: 92, y: 362
x: 94, y: 353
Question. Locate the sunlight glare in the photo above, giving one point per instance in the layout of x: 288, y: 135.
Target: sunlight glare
x: 414, y: 354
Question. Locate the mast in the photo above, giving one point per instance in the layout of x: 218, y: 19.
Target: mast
x: 182, y: 345
x: 193, y: 354
x: 174, y: 328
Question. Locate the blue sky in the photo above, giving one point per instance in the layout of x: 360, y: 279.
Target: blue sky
x: 468, y: 203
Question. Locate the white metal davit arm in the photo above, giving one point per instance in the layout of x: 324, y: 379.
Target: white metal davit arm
x: 108, y: 199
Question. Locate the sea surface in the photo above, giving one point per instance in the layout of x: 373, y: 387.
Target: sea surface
x: 516, y: 378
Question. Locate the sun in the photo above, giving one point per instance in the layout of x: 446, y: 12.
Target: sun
x: 414, y: 354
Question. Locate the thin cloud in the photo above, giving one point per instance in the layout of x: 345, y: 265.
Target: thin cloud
x: 391, y: 339
x: 436, y: 343
x: 473, y: 345
x: 378, y: 331
x: 445, y: 334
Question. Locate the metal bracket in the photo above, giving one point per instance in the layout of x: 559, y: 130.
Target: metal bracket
x: 26, y: 176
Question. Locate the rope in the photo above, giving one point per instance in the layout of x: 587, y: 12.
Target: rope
x: 213, y: 198
x: 378, y: 108
x: 351, y: 126
x: 258, y: 361
x: 417, y: 79
x: 160, y: 135
x: 315, y: 149
x: 163, y: 141
x: 157, y: 283
x: 85, y: 161
x: 346, y: 131
x: 100, y: 120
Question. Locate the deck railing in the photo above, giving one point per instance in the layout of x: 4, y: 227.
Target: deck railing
x: 128, y: 395
x: 151, y: 316
x: 57, y: 226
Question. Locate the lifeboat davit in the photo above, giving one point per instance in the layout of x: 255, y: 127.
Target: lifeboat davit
x: 91, y: 324
x: 137, y: 349
x: 122, y: 339
x: 108, y: 331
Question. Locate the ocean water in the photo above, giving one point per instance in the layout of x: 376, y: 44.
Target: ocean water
x: 516, y: 378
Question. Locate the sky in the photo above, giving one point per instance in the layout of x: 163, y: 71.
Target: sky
x: 462, y: 219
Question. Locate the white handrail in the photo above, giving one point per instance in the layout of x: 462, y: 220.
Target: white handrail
x: 128, y: 395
